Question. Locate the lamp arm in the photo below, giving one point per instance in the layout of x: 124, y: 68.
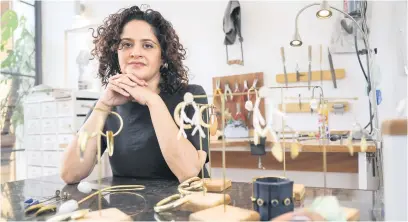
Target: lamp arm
x: 300, y: 11
x: 373, y: 95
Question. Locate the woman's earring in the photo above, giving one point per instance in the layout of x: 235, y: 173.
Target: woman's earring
x: 165, y: 65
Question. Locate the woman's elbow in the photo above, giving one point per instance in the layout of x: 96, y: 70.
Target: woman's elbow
x: 68, y: 176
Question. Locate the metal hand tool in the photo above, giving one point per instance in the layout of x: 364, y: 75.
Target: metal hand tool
x: 333, y: 73
x: 309, y: 75
x: 297, y: 73
x: 284, y: 65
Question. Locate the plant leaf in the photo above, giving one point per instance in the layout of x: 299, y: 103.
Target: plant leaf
x: 9, y: 23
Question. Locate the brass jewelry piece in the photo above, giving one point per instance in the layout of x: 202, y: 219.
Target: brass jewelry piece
x: 253, y: 199
x: 109, y: 142
x: 191, y: 185
x: 295, y: 146
x: 204, y: 124
x: 213, y: 121
x: 170, y: 203
x: 274, y: 203
x: 83, y: 140
x: 120, y: 121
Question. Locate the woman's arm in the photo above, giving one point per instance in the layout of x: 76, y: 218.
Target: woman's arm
x: 180, y: 155
x: 73, y: 170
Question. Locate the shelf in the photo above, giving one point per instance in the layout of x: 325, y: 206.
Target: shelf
x: 340, y: 74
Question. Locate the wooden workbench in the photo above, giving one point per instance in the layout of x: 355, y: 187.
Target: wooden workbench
x: 310, y: 158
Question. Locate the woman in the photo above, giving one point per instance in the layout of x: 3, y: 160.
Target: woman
x: 141, y: 66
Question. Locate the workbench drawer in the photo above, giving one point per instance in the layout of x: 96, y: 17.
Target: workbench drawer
x: 48, y: 171
x: 32, y: 110
x: 48, y: 109
x: 34, y: 171
x: 52, y: 158
x: 33, y: 142
x: 49, y: 142
x: 65, y: 108
x: 82, y: 107
x: 48, y: 125
x: 34, y: 157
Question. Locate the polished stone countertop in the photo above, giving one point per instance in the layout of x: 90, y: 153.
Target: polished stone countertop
x: 13, y: 195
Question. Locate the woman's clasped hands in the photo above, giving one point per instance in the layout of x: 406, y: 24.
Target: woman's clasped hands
x: 122, y: 88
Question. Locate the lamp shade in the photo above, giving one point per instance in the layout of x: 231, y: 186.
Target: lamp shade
x: 324, y: 11
x: 296, y: 39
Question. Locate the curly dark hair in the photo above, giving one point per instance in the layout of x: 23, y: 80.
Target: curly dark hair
x: 107, y: 39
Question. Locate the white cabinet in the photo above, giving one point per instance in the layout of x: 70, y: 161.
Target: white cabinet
x: 52, y: 117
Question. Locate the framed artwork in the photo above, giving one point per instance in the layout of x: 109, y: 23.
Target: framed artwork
x: 80, y: 71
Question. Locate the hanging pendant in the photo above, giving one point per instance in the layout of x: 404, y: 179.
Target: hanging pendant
x: 294, y: 150
x: 277, y: 152
x: 363, y: 144
x: 109, y: 142
x: 350, y: 144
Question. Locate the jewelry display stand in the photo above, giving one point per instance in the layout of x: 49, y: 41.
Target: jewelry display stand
x: 222, y: 212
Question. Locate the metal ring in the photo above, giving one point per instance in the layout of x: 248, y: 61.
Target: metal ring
x: 169, y: 203
x: 274, y: 202
x: 204, y: 124
x: 287, y: 202
x: 260, y: 202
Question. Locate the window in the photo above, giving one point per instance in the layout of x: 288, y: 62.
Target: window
x: 20, y: 58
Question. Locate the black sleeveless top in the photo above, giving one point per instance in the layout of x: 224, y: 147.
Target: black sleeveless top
x: 136, y: 149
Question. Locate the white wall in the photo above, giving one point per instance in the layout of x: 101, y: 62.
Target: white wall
x: 266, y: 26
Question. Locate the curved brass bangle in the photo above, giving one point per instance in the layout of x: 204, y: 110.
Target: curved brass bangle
x: 191, y: 185
x: 176, y: 116
x: 204, y: 124
x: 120, y: 121
x: 109, y: 142
x: 83, y: 140
x: 169, y: 203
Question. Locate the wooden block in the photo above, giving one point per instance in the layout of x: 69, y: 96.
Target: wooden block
x: 305, y: 107
x: 340, y: 74
x: 216, y: 185
x: 110, y: 214
x: 352, y: 214
x: 230, y: 214
x: 199, y: 201
x: 396, y: 127
x: 298, y: 191
x: 236, y: 62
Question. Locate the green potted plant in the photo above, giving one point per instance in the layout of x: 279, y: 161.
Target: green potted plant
x: 16, y: 68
